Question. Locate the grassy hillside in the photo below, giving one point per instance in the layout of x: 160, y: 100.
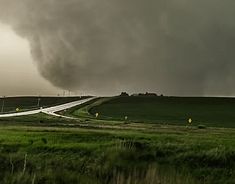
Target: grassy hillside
x: 42, y: 149
x: 218, y: 112
x: 25, y: 103
x: 176, y: 155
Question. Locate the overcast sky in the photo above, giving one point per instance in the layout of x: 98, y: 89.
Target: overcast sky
x: 18, y: 73
x: 103, y: 47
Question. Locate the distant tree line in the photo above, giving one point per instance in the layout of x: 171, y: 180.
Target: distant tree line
x: 140, y: 94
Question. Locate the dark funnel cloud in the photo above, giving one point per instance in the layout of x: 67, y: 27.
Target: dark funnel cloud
x: 177, y: 47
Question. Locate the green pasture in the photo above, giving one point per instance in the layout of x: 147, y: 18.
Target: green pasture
x: 10, y: 104
x: 212, y: 112
x: 151, y: 146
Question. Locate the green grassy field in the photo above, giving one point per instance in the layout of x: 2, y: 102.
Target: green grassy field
x: 26, y: 103
x: 44, y: 154
x: 213, y: 112
x: 42, y: 149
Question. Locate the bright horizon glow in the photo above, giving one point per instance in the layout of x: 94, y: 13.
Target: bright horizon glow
x: 18, y: 73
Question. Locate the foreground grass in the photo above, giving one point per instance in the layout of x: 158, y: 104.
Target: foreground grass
x: 45, y: 149
x: 31, y: 154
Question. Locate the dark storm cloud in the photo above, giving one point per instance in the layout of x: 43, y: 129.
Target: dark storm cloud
x: 181, y: 47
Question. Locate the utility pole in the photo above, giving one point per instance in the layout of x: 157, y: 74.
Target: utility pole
x: 3, y: 104
x: 39, y: 99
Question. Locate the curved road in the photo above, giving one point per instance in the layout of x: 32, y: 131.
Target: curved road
x: 50, y: 110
